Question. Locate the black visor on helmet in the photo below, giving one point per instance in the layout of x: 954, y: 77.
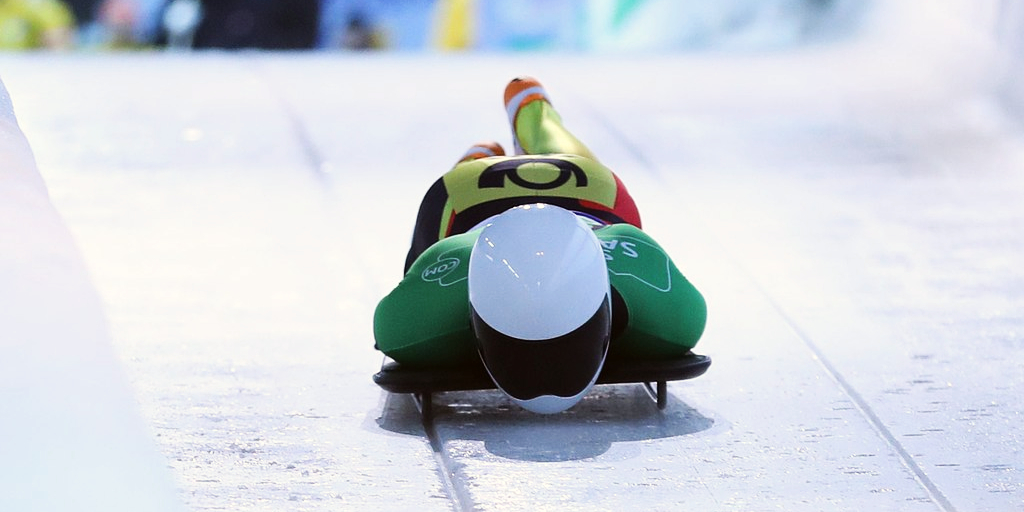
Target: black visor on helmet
x: 562, y: 366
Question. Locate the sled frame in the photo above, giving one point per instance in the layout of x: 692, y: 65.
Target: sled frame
x: 423, y: 383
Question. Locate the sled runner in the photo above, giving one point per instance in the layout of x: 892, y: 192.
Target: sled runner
x: 422, y: 383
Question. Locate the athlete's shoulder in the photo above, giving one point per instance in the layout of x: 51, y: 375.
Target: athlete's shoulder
x: 620, y: 229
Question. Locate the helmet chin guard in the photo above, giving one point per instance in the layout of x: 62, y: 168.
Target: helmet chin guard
x: 541, y: 305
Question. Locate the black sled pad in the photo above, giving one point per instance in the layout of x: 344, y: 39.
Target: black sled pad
x: 396, y: 378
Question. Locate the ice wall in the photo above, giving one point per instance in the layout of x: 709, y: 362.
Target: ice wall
x: 70, y: 434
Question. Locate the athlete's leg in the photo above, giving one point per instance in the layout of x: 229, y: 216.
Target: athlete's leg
x: 425, y: 320
x: 660, y: 313
x: 536, y: 126
x: 482, y: 150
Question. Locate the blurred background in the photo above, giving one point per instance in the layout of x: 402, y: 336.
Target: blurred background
x: 511, y: 26
x: 421, y: 25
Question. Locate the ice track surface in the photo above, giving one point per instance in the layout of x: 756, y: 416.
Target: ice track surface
x: 852, y: 213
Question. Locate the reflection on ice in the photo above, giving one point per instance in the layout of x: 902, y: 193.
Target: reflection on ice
x: 610, y: 414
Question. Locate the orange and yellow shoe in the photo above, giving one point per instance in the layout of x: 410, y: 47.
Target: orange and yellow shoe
x: 482, y: 150
x: 520, y: 92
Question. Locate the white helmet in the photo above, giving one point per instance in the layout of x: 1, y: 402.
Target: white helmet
x: 541, y: 305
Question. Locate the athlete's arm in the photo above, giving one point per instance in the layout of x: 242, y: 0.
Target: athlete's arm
x: 428, y: 222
